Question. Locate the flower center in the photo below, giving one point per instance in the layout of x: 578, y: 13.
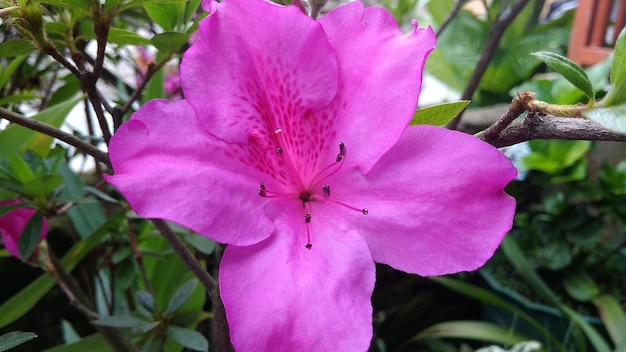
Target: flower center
x: 306, y: 192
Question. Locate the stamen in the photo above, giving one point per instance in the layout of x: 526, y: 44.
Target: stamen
x: 282, y: 143
x: 331, y: 169
x: 363, y: 211
x: 263, y: 192
x: 326, y: 191
x: 342, y: 152
x: 307, y: 221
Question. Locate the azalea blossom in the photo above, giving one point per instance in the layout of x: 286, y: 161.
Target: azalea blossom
x: 292, y: 147
x: 12, y: 225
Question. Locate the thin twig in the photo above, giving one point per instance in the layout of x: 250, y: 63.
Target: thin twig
x: 457, y: 7
x: 35, y: 125
x: 493, y: 40
x: 138, y: 258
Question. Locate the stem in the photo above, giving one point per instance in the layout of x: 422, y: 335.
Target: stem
x: 34, y: 125
x: 493, y: 41
x: 138, y: 257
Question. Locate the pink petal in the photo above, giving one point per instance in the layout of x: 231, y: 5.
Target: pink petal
x: 12, y: 225
x: 257, y: 66
x: 168, y: 166
x: 436, y: 202
x: 280, y: 296
x: 380, y: 78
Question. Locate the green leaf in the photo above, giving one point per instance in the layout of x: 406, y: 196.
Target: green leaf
x: 14, y: 338
x: 43, y: 185
x: 169, y: 42
x: 15, y: 47
x: 617, y: 94
x: 474, y: 330
x: 123, y: 37
x: 5, y: 74
x: 29, y: 239
x: 21, y: 170
x: 23, y: 301
x: 188, y: 338
x: 135, y: 3
x: 16, y: 139
x: 614, y: 318
x: 91, y: 343
x: 81, y: 6
x: 612, y: 118
x: 180, y: 297
x: 165, y: 15
x: 438, y: 115
x: 121, y: 321
x: 569, y: 70
x: 580, y: 286
x: 12, y: 186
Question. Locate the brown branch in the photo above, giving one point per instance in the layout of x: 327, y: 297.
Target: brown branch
x: 35, y: 125
x: 221, y: 335
x: 492, y: 43
x: 536, y: 126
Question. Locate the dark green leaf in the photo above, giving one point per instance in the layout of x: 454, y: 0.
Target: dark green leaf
x: 15, y: 47
x: 65, y: 92
x: 101, y: 195
x: 20, y: 303
x: 617, y: 94
x: 201, y: 243
x: 180, y: 297
x: 135, y: 3
x: 147, y: 327
x: 43, y: 185
x: 91, y: 343
x: 188, y: 338
x: 147, y: 301
x: 580, y: 286
x: 569, y: 70
x: 169, y: 42
x: 438, y: 115
x: 14, y: 338
x: 612, y: 118
x: 121, y: 321
x: 29, y: 239
x: 12, y: 186
x: 5, y: 209
x: 121, y: 254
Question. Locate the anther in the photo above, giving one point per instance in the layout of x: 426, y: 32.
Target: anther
x: 326, y: 191
x: 308, y: 246
x: 262, y: 192
x: 279, y: 150
x: 342, y: 152
x: 365, y: 211
x: 307, y: 218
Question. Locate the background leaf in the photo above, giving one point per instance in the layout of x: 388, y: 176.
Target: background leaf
x: 612, y: 118
x: 14, y: 338
x: 438, y: 115
x: 569, y: 70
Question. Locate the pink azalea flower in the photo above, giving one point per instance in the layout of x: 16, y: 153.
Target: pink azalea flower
x: 292, y: 147
x: 12, y: 224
